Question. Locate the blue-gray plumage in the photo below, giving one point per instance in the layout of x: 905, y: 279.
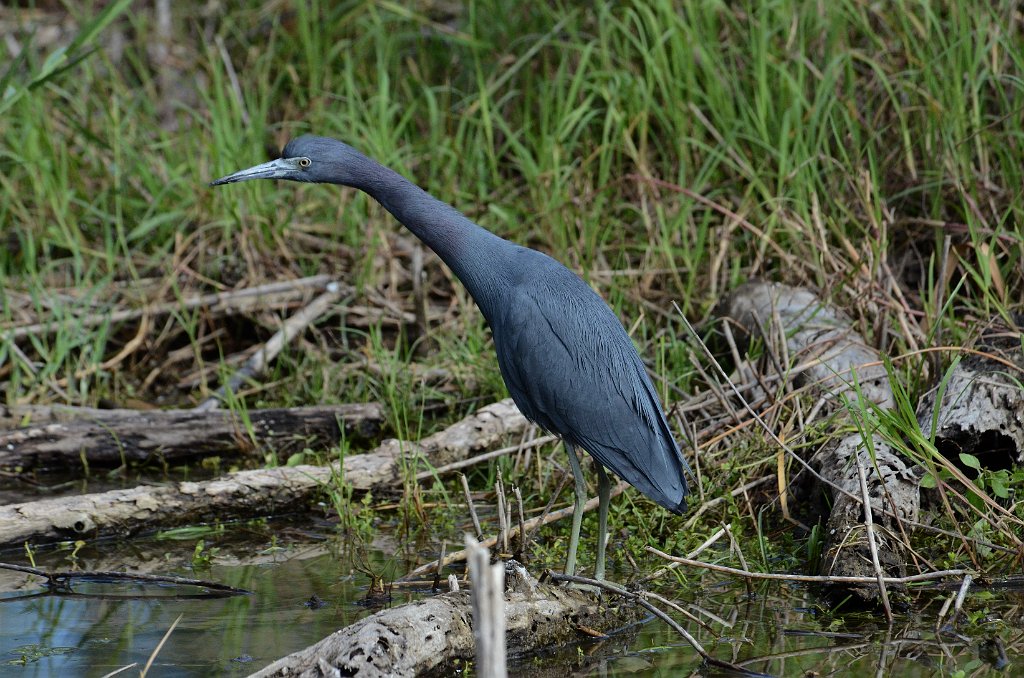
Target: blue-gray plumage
x: 565, y: 357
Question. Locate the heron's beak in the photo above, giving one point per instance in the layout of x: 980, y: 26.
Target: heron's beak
x: 282, y: 168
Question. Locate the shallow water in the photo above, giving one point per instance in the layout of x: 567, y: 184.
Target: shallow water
x: 106, y: 626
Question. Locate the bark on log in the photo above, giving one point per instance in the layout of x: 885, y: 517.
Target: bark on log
x: 893, y: 488
x: 982, y: 407
x: 823, y: 346
x: 249, y: 494
x: 114, y: 437
x: 821, y: 340
x: 429, y: 635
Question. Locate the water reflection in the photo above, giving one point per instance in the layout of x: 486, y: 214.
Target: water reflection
x: 309, y: 584
x: 105, y: 626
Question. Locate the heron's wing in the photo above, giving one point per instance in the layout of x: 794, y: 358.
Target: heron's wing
x: 571, y: 367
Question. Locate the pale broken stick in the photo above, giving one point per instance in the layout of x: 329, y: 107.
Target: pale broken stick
x: 487, y: 595
x: 291, y: 327
x: 692, y: 554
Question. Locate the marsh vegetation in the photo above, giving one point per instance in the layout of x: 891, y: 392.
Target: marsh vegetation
x: 669, y: 152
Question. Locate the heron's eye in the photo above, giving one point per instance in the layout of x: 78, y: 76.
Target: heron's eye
x: 305, y: 162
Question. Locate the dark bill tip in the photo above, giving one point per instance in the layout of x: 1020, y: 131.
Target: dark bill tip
x: 282, y: 168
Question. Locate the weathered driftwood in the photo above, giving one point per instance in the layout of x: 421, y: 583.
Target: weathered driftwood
x: 19, y: 416
x: 248, y: 494
x: 112, y: 437
x: 827, y: 352
x: 428, y: 635
x: 981, y: 413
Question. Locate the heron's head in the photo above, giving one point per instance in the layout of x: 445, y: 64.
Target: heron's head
x: 306, y: 158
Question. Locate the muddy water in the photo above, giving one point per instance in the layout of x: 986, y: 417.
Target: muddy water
x: 105, y: 626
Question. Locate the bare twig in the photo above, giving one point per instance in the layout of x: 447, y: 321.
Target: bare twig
x: 522, y: 523
x: 120, y: 670
x: 869, y: 526
x: 692, y: 554
x: 291, y: 327
x: 816, y: 579
x: 735, y: 546
x: 472, y: 507
x: 159, y: 646
x: 942, y: 613
x: 958, y: 599
x: 678, y: 608
x: 551, y: 503
x: 639, y: 599
x: 440, y: 561
x: 960, y: 596
x: 742, y: 489
x: 499, y: 490
x: 473, y: 461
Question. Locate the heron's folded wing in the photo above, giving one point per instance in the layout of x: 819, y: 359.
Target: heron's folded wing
x: 571, y: 367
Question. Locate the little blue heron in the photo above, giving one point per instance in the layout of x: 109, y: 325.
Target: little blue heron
x: 564, y: 355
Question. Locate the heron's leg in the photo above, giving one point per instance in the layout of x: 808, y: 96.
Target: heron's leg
x: 577, y: 513
x: 604, y: 490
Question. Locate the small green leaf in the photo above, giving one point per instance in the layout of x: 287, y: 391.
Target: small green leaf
x: 928, y: 481
x: 970, y: 461
x: 998, y: 482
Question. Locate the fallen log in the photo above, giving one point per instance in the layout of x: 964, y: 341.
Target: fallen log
x: 893, y: 489
x: 429, y: 635
x: 115, y: 437
x: 825, y: 351
x: 20, y: 416
x: 249, y: 494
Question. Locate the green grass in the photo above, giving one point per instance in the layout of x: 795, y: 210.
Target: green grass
x: 668, y: 151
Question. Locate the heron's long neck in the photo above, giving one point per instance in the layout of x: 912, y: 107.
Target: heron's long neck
x: 476, y: 256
